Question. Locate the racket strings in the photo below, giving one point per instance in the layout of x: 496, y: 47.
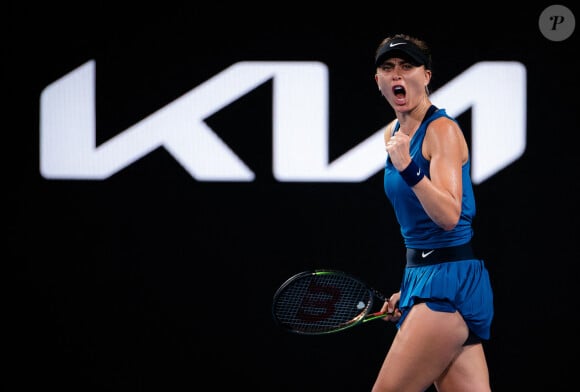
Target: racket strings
x: 322, y: 303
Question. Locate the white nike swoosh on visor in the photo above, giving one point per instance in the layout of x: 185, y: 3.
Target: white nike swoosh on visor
x: 398, y: 43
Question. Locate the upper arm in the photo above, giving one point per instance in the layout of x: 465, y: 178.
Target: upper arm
x: 446, y: 149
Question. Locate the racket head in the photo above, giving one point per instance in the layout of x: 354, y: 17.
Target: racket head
x: 321, y: 302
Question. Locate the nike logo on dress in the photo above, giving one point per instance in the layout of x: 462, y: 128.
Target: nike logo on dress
x: 392, y: 45
x: 425, y: 254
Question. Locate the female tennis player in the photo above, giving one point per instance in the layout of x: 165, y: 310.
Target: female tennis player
x: 444, y: 308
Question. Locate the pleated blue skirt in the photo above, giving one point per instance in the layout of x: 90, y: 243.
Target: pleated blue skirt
x: 462, y: 286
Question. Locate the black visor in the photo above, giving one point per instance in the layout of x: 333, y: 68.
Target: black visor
x: 403, y: 48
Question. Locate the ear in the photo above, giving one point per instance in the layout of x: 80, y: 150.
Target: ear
x: 428, y: 75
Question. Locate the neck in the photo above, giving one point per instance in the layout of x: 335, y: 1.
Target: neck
x: 410, y: 121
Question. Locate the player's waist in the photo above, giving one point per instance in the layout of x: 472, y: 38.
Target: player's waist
x: 417, y: 257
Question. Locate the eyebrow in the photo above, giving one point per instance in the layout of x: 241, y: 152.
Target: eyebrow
x: 399, y: 60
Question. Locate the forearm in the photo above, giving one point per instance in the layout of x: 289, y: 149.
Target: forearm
x: 441, y: 206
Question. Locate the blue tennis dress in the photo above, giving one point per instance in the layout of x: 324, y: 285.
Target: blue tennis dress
x: 460, y: 283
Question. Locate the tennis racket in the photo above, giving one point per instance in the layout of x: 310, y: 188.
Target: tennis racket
x: 324, y: 301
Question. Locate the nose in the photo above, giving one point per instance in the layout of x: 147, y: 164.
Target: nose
x: 396, y: 73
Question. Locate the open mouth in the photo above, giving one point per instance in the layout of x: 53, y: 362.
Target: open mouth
x: 399, y: 91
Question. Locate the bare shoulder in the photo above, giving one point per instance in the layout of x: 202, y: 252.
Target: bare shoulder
x: 389, y: 130
x: 444, y: 127
x: 444, y: 135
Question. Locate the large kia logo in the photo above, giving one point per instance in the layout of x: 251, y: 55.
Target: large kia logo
x: 68, y: 147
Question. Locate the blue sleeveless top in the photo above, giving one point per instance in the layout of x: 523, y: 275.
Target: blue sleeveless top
x: 418, y: 230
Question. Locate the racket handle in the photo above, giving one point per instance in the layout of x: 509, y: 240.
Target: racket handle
x: 376, y: 315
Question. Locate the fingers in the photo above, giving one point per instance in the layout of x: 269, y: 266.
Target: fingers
x: 392, y: 308
x: 398, y: 151
x: 392, y: 312
x: 393, y: 142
